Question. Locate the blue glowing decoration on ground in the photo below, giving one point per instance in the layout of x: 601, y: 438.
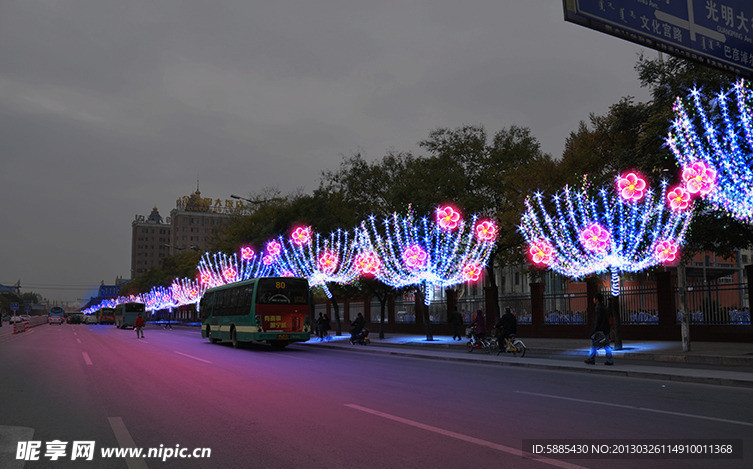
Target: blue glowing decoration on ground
x: 425, y: 253
x: 578, y: 234
x: 319, y: 259
x: 721, y: 139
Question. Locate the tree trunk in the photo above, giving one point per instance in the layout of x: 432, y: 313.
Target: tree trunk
x: 336, y: 310
x: 616, y: 310
x: 684, y: 314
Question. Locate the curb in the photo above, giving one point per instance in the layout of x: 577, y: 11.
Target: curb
x: 565, y: 366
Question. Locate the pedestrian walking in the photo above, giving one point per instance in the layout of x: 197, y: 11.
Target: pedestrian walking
x: 322, y: 326
x: 139, y: 324
x: 600, y: 332
x: 456, y: 320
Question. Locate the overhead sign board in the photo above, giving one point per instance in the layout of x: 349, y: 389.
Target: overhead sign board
x: 717, y: 33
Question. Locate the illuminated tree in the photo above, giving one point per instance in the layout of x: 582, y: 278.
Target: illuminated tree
x: 319, y: 259
x: 406, y: 252
x: 717, y: 160
x: 220, y: 269
x: 627, y: 231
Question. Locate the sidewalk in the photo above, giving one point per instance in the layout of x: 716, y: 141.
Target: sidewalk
x: 720, y: 363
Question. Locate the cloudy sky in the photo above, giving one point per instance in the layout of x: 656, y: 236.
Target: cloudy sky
x: 108, y: 108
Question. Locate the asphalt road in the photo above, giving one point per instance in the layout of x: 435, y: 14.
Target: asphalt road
x: 308, y: 406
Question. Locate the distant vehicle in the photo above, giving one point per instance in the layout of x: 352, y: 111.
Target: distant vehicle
x: 90, y: 319
x: 25, y: 317
x: 273, y: 310
x: 75, y: 318
x: 14, y: 319
x: 56, y: 315
x: 106, y: 316
x: 125, y: 314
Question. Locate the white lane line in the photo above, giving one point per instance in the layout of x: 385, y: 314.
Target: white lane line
x: 466, y: 438
x: 191, y: 356
x: 87, y: 359
x: 78, y: 340
x: 644, y: 409
x: 125, y: 441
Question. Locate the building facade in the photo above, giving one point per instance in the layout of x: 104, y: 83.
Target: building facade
x: 196, y: 221
x: 193, y: 224
x: 150, y: 242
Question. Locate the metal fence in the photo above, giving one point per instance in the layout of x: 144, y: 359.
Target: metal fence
x: 716, y: 303
x: 561, y: 308
x: 520, y: 305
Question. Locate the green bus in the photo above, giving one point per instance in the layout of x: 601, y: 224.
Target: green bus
x: 125, y: 314
x: 271, y: 310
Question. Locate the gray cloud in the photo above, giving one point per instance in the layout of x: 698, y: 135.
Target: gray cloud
x: 110, y: 108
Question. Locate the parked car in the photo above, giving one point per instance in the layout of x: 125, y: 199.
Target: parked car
x: 25, y: 317
x: 14, y: 319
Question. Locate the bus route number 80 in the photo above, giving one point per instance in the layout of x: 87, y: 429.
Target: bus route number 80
x: 280, y: 285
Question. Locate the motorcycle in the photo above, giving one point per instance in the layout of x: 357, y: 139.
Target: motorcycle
x: 362, y: 338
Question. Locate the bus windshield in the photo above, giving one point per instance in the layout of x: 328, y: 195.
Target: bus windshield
x: 285, y: 291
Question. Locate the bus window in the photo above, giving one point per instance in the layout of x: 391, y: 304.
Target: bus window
x: 206, y: 305
x: 271, y: 291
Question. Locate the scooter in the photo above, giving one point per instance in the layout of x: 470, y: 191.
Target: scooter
x: 514, y: 346
x: 361, y: 338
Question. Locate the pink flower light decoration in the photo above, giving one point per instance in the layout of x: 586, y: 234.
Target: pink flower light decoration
x: 595, y: 238
x: 666, y: 251
x: 486, y: 230
x: 205, y: 278
x: 301, y: 235
x: 268, y: 260
x: 368, y: 263
x: 471, y: 272
x: 247, y: 253
x: 415, y: 257
x: 541, y: 252
x: 273, y: 248
x: 448, y: 218
x: 678, y: 198
x: 699, y: 178
x: 229, y: 273
x: 328, y: 262
x: 631, y: 187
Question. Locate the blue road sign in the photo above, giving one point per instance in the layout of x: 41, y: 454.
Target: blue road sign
x: 718, y: 33
x: 14, y: 306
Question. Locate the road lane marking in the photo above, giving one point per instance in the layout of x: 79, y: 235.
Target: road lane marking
x: 87, y: 359
x: 191, y: 356
x: 78, y: 340
x: 645, y: 409
x: 125, y: 441
x: 466, y: 438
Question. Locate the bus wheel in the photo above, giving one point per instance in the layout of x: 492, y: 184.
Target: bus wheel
x: 234, y: 338
x: 209, y: 334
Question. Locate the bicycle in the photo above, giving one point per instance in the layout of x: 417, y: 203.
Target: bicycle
x: 476, y: 342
